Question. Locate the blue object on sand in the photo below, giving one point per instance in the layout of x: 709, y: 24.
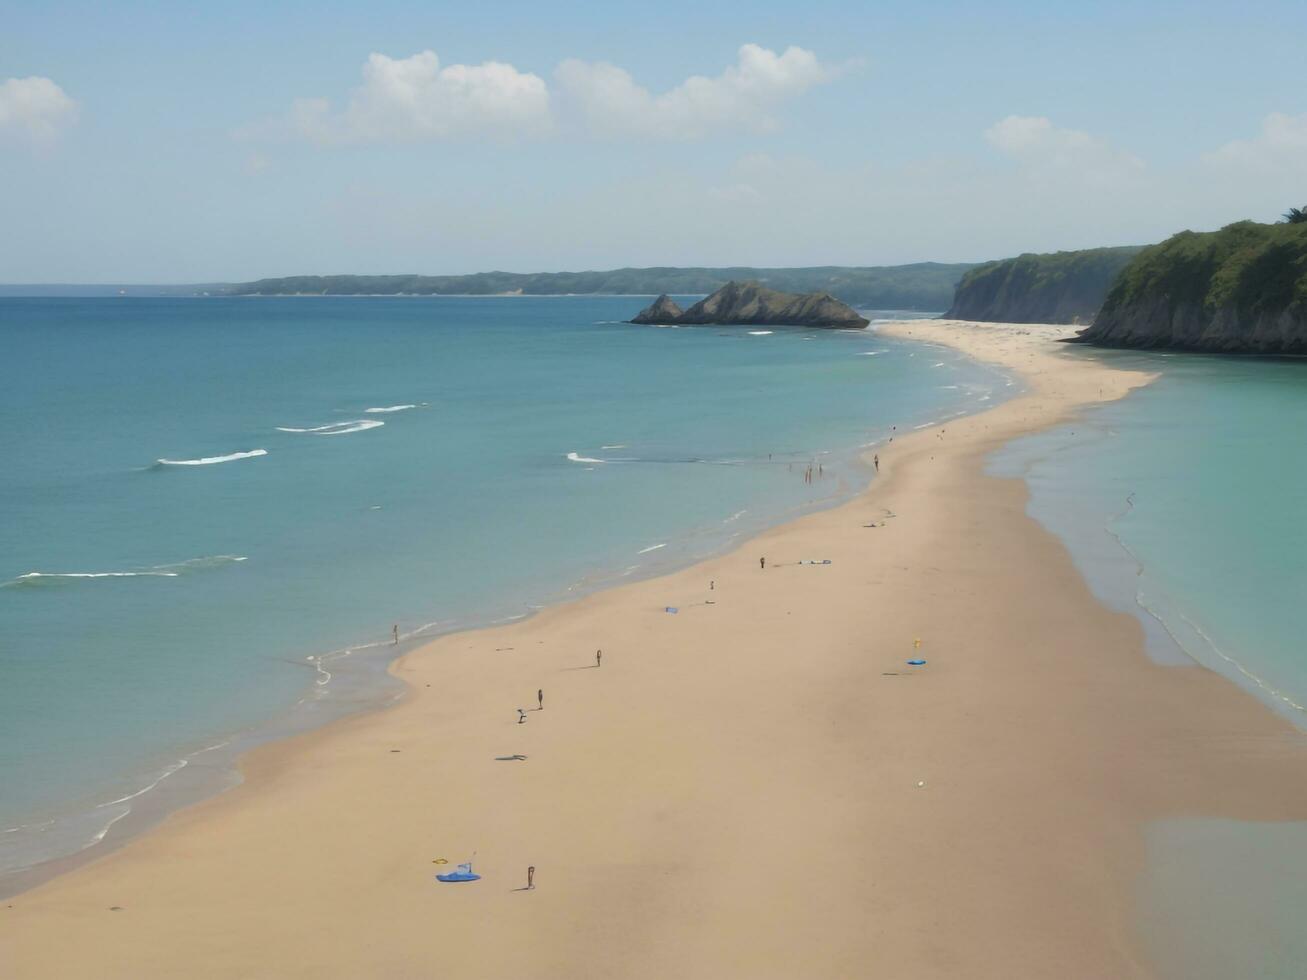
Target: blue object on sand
x: 464, y: 873
x: 916, y: 663
x: 671, y: 609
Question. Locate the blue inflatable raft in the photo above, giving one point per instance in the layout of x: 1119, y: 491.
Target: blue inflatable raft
x: 464, y: 873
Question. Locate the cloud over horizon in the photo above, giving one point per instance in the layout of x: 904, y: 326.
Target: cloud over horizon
x: 1281, y: 146
x: 1035, y: 143
x: 35, y: 110
x: 744, y: 96
x: 405, y: 100
x: 414, y: 98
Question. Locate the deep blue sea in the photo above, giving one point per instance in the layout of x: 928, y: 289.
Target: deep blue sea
x: 215, y: 510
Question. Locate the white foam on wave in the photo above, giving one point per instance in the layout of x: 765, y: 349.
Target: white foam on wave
x: 388, y: 408
x: 760, y: 333
x: 210, y: 460
x: 578, y: 458
x: 652, y: 547
x: 158, y: 571
x: 868, y: 353
x: 30, y: 576
x: 619, y: 445
x: 336, y: 428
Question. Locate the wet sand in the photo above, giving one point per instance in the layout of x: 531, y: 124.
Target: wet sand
x: 756, y: 785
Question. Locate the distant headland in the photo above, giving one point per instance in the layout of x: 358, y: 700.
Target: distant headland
x: 918, y: 286
x: 753, y: 304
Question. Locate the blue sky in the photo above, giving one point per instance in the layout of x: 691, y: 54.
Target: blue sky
x: 187, y: 142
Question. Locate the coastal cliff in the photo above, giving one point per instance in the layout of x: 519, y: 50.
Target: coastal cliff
x: 1057, y: 287
x: 752, y: 304
x: 1241, y: 290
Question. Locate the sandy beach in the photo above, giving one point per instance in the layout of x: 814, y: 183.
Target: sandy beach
x: 755, y: 785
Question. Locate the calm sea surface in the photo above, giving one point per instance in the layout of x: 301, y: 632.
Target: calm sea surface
x: 215, y: 510
x: 1184, y: 504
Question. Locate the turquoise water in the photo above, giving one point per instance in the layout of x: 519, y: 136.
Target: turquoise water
x: 1183, y: 504
x: 229, y: 502
x: 1193, y: 487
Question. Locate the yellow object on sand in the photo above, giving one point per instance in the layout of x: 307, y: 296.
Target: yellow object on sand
x: 439, y: 861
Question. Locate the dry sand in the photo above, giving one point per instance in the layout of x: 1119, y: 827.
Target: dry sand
x: 757, y: 787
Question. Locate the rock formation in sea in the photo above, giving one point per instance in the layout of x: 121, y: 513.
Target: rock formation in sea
x: 1058, y: 287
x: 752, y: 304
x: 663, y: 310
x: 1240, y: 290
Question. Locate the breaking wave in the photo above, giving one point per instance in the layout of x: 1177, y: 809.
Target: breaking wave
x: 210, y: 460
x: 387, y: 408
x: 174, y: 570
x: 336, y: 428
x: 578, y: 458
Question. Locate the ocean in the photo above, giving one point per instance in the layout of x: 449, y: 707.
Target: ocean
x: 218, y: 509
x: 1183, y: 504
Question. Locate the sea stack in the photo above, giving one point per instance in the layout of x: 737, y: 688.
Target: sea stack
x: 753, y: 304
x: 663, y: 310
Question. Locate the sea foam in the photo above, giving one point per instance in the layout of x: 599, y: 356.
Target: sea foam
x: 336, y: 428
x: 387, y: 408
x: 210, y: 460
x: 173, y: 570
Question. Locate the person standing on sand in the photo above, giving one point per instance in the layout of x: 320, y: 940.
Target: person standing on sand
x: 394, y: 632
x: 762, y: 562
x: 599, y: 656
x: 540, y: 699
x: 875, y: 460
x: 531, y: 878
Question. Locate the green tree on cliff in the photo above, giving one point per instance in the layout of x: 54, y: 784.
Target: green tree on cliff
x: 1295, y: 216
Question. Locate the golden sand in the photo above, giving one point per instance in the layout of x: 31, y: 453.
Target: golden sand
x: 753, y: 787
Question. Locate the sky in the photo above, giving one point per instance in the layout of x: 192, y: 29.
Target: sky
x: 185, y: 142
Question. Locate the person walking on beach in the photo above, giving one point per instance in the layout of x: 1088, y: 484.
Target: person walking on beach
x: 875, y: 460
x: 762, y: 562
x: 540, y: 699
x: 521, y: 717
x: 394, y: 632
x: 531, y: 878
x: 599, y: 656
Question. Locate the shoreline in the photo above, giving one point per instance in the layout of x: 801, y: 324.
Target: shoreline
x: 206, y: 770
x: 761, y: 794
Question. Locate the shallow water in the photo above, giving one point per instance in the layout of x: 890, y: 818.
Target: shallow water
x: 1183, y: 504
x: 216, y: 509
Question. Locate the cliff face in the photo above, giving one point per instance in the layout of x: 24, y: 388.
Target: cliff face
x: 756, y: 305
x: 1241, y: 290
x: 663, y: 310
x: 1060, y: 287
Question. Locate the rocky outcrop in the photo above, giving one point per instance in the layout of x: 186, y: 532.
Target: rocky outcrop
x: 752, y: 304
x: 1240, y: 290
x: 1058, y: 287
x: 663, y: 310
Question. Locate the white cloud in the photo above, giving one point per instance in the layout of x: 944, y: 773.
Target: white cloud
x: 1281, y: 146
x: 410, y: 99
x: 34, y: 110
x: 744, y: 96
x: 1037, y: 144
